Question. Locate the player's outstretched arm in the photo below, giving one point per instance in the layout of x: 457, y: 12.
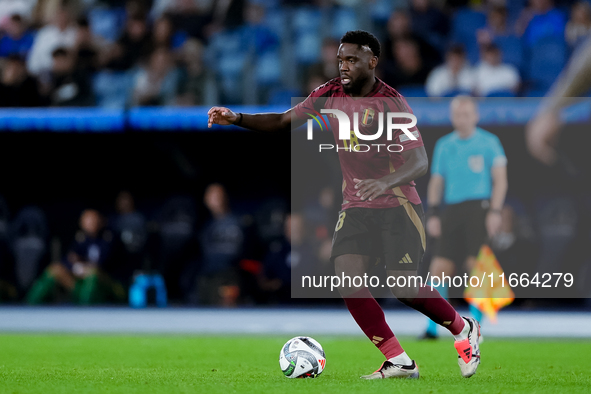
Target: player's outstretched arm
x: 542, y: 132
x: 269, y: 122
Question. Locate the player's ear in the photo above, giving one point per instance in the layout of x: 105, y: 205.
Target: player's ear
x: 373, y: 62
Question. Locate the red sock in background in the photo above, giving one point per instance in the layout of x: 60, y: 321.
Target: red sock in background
x: 430, y: 303
x: 370, y: 317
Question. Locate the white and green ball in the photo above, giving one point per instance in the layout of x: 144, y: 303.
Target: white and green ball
x: 302, y: 357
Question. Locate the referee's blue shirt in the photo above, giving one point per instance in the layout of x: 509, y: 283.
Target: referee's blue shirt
x: 466, y: 165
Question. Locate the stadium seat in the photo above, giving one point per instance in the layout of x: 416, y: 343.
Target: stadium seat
x: 412, y: 91
x: 512, y: 50
x: 342, y: 20
x: 464, y: 25
x: 227, y: 55
x: 306, y: 23
x: 268, y: 68
x: 275, y: 20
x: 113, y: 89
x: 106, y: 22
x: 547, y: 59
x: 514, y: 8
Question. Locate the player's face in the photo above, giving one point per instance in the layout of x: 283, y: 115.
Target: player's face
x: 356, y: 65
x: 464, y: 116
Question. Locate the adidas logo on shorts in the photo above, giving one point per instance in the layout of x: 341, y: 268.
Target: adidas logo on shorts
x: 405, y: 260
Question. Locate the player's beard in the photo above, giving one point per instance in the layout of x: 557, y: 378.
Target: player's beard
x: 355, y: 86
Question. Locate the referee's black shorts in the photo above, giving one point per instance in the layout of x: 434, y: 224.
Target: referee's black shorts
x: 395, y: 236
x: 463, y: 230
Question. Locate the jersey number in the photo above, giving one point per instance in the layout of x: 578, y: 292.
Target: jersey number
x: 354, y: 142
x: 341, y: 221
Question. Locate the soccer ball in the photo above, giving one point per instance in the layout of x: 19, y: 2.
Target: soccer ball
x: 302, y: 357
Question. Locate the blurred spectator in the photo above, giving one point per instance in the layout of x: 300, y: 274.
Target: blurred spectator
x: 491, y: 75
x: 80, y: 272
x: 45, y: 11
x: 66, y: 85
x: 17, y: 87
x: 193, y: 74
x: 166, y: 35
x: 17, y: 40
x: 24, y: 8
x: 429, y: 22
x: 579, y: 25
x: 174, y: 248
x: 327, y: 68
x: 275, y: 279
x: 408, y: 67
x: 496, y: 26
x: 453, y: 77
x: 60, y: 34
x: 135, y: 45
x: 543, y: 21
x: 201, y: 19
x: 257, y: 34
x: 130, y: 237
x: 232, y: 52
x: 88, y: 47
x: 222, y: 246
x: 137, y: 7
x: 29, y: 236
x: 400, y: 26
x: 7, y: 289
x: 157, y: 83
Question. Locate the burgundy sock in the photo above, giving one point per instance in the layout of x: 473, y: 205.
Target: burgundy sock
x: 430, y: 303
x: 370, y: 317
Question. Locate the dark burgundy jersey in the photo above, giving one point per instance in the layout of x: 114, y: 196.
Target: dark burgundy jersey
x: 366, y: 159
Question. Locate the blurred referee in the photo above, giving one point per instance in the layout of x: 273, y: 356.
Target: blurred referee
x: 469, y: 173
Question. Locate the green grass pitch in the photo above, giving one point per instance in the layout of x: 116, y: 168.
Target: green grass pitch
x: 249, y: 364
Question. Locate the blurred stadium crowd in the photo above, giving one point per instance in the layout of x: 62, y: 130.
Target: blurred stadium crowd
x: 115, y: 54
x: 228, y: 258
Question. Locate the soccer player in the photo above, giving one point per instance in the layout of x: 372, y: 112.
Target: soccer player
x: 381, y: 214
x: 471, y: 166
x: 543, y: 130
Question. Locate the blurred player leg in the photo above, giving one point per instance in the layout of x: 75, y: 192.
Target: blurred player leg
x: 439, y: 266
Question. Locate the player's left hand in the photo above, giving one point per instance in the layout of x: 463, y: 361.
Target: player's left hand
x: 493, y: 223
x: 370, y: 189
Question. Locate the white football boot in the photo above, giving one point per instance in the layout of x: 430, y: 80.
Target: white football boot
x: 469, y: 349
x: 390, y: 370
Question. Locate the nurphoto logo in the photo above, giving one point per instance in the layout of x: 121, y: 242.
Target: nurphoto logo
x: 353, y: 135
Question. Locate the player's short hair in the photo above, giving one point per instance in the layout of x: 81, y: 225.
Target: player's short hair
x: 361, y: 38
